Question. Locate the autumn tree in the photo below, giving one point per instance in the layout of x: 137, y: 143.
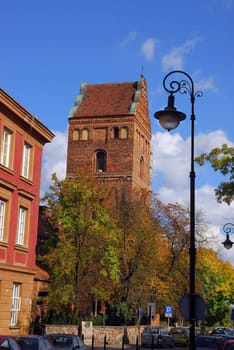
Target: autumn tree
x: 174, y: 230
x: 83, y: 260
x: 221, y: 160
x: 141, y: 253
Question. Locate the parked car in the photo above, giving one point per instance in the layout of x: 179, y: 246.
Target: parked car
x: 7, y: 342
x: 33, y: 342
x: 222, y: 330
x: 208, y: 342
x: 228, y: 345
x: 156, y: 337
x: 180, y: 335
x: 66, y: 341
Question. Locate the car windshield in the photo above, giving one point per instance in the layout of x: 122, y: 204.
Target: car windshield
x: 61, y: 342
x: 223, y: 331
x: 176, y: 331
x: 28, y: 344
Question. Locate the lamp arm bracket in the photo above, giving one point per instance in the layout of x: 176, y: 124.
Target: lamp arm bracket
x: 183, y: 86
x: 228, y: 227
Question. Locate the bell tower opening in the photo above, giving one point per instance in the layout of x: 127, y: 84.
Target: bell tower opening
x: 100, y: 161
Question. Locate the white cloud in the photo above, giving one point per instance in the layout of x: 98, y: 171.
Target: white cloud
x: 206, y: 84
x: 205, y: 143
x: 175, y: 58
x: 171, y: 167
x: 148, y: 48
x: 54, y: 160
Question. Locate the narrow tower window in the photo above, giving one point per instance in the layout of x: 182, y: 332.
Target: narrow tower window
x: 116, y: 132
x: 101, y: 161
x: 141, y: 167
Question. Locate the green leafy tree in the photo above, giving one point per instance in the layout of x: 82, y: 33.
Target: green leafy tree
x: 215, y: 278
x: 222, y: 160
x: 83, y: 261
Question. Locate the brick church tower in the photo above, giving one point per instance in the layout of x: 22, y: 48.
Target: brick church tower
x: 109, y: 134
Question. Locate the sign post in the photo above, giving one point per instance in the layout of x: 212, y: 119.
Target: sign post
x: 151, y: 311
x: 168, y: 311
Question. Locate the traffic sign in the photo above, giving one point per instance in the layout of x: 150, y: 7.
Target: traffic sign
x: 200, y: 307
x: 168, y: 311
x: 151, y: 309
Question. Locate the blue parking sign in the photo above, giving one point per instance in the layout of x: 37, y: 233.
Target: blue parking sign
x: 168, y: 310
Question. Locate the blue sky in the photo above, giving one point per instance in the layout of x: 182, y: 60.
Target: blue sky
x: 48, y: 48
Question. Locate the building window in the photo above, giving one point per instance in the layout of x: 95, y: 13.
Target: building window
x: 85, y: 134
x: 141, y: 167
x: 6, y: 147
x: 124, y: 132
x: 76, y: 135
x: 2, y: 218
x: 26, y: 160
x: 116, y: 132
x: 101, y: 161
x: 21, y: 226
x: 15, y: 304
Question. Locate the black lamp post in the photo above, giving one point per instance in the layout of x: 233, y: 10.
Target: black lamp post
x: 169, y: 118
x: 228, y: 228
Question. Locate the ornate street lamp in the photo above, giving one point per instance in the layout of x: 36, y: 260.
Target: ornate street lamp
x: 228, y: 228
x: 169, y: 118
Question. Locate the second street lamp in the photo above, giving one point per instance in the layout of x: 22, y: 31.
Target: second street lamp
x: 228, y: 228
x: 169, y: 118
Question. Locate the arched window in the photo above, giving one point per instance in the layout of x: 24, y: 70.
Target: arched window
x: 85, y: 134
x: 76, y: 134
x: 141, y: 167
x: 124, y: 132
x: 100, y: 161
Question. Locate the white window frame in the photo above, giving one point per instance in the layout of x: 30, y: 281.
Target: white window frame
x: 2, y: 218
x: 6, y: 146
x: 21, y: 225
x: 26, y: 160
x: 15, y: 304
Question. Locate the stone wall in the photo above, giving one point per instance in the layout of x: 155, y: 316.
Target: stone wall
x: 113, y: 335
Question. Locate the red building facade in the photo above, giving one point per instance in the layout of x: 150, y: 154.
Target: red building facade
x: 22, y: 137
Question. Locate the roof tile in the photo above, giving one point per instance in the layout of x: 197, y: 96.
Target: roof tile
x: 107, y: 99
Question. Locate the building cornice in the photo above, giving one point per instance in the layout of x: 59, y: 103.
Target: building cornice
x: 25, y: 116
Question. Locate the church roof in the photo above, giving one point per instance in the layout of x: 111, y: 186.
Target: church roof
x: 106, y: 99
